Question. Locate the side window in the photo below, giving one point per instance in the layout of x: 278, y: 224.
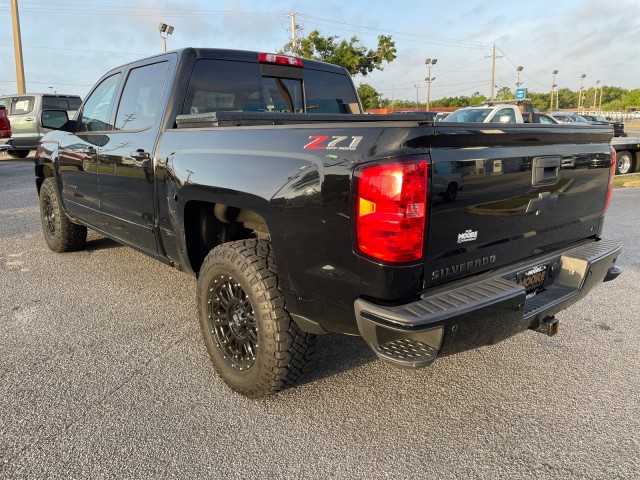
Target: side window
x: 22, y: 105
x: 504, y: 115
x: 96, y: 108
x: 139, y: 102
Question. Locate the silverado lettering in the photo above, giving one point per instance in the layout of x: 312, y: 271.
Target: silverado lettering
x: 180, y: 157
x: 462, y: 267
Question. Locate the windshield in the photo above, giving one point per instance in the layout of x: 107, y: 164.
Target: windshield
x: 580, y: 119
x: 469, y: 115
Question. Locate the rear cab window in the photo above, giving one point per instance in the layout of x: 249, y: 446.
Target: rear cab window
x: 61, y: 103
x: 224, y: 85
x: 22, y: 105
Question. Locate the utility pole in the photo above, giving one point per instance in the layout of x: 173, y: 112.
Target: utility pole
x: 417, y: 98
x: 595, y: 95
x: 17, y: 46
x: 493, y: 71
x: 294, y: 32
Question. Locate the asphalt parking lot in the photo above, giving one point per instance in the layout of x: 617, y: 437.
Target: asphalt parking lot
x: 103, y: 374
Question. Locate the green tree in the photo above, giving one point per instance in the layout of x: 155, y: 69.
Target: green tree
x: 477, y: 99
x: 505, y: 93
x: 633, y: 98
x: 356, y: 58
x: 369, y: 96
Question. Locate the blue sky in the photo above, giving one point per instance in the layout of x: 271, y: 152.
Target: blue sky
x: 69, y: 44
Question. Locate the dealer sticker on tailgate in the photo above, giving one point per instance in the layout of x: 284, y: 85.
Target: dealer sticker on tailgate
x: 533, y: 278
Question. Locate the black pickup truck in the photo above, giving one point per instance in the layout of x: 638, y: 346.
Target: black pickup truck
x: 299, y: 215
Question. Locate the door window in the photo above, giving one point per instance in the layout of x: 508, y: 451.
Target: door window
x: 96, y: 109
x: 139, y: 102
x: 20, y: 105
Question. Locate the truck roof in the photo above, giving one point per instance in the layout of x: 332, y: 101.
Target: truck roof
x: 243, y: 56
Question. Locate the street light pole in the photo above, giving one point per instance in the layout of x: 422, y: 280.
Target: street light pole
x: 600, y: 105
x: 518, y: 83
x: 595, y: 95
x: 580, y: 92
x: 553, y: 86
x: 429, y: 62
x: 165, y: 30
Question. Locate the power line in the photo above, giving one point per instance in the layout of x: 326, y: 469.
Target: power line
x: 81, y: 50
x: 432, y: 39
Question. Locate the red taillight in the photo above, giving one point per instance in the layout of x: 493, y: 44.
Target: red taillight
x: 278, y: 59
x: 391, y: 210
x: 612, y: 174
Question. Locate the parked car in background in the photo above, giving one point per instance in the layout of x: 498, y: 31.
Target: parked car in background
x: 24, y: 113
x: 541, y: 118
x: 440, y: 116
x: 568, y: 117
x: 5, y: 129
x: 500, y: 113
x: 618, y: 127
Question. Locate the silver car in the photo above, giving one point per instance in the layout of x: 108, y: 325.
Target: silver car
x: 24, y: 114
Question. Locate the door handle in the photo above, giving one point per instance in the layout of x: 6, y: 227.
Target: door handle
x: 140, y: 154
x: 29, y: 119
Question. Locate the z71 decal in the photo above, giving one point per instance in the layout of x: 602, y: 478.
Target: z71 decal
x: 325, y: 142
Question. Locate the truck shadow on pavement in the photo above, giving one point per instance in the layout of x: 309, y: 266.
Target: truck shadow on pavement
x: 97, y: 242
x: 337, y: 353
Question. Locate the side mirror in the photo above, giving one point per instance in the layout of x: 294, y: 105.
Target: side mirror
x: 54, y: 119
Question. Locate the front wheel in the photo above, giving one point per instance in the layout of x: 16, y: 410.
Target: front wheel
x: 60, y: 233
x: 253, y: 343
x: 624, y: 162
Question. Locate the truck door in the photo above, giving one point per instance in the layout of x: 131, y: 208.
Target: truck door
x: 126, y: 161
x: 78, y: 153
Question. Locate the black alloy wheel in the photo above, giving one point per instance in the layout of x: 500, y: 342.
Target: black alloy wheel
x: 232, y: 322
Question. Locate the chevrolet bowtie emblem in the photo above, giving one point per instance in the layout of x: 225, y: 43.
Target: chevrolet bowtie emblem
x: 544, y: 203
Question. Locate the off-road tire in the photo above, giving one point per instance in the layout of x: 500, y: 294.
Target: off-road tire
x: 60, y: 233
x: 241, y: 310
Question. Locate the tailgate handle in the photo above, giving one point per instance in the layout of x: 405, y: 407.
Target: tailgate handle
x: 545, y: 171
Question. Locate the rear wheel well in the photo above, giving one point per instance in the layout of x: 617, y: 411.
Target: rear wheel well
x: 207, y: 225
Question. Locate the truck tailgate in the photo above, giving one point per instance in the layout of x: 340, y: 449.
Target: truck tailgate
x: 516, y: 192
